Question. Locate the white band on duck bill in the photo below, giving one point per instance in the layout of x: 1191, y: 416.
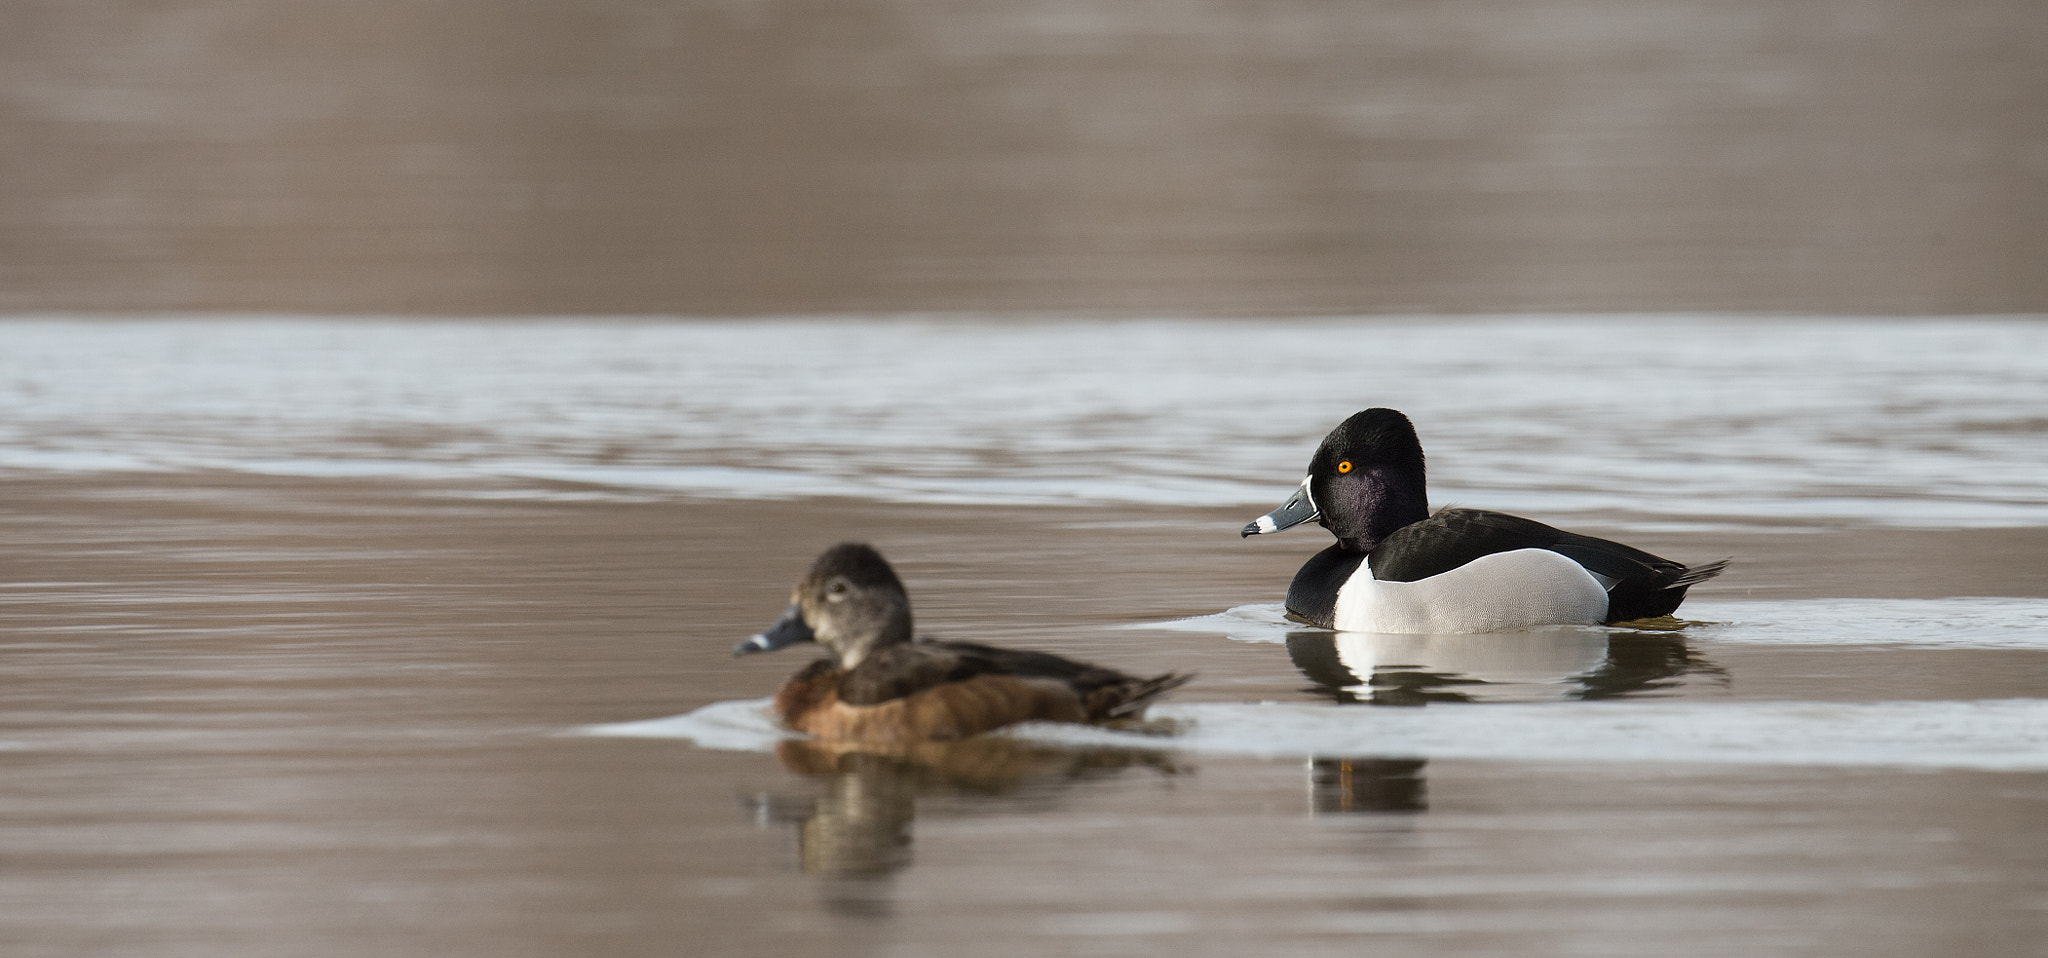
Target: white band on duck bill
x: 1299, y: 508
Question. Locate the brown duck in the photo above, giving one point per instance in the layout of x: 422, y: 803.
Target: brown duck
x: 881, y: 685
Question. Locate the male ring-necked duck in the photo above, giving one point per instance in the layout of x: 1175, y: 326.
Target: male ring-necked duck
x: 1397, y: 568
x: 880, y: 685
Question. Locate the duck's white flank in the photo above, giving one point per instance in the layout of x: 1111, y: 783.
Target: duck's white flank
x: 1502, y: 592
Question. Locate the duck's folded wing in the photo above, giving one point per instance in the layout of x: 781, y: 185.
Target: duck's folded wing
x: 1102, y: 693
x: 1618, y: 562
x: 1085, y: 679
x: 901, y: 670
x: 1453, y: 537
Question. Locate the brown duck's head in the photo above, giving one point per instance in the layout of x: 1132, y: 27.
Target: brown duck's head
x: 850, y: 602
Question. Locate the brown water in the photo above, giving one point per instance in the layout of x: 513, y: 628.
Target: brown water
x: 309, y: 717
x: 310, y: 627
x: 1229, y: 157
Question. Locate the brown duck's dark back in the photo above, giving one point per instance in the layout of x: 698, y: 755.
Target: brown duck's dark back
x: 955, y: 690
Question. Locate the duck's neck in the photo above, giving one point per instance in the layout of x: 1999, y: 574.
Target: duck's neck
x: 894, y: 629
x: 1387, y: 501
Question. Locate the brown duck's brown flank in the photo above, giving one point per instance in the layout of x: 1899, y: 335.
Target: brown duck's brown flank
x: 810, y: 703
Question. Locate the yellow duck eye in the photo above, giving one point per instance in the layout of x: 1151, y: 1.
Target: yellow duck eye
x: 1344, y: 466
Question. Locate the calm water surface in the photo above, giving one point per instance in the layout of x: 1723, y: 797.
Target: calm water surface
x: 344, y: 637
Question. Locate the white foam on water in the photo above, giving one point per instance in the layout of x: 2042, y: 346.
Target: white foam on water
x: 1991, y: 622
x: 2010, y: 734
x: 1263, y: 622
x: 2001, y: 735
x: 1956, y: 623
x: 737, y: 726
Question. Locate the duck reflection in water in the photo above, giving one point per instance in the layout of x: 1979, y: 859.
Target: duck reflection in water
x: 1348, y: 785
x: 1353, y: 668
x: 858, y: 824
x: 1363, y: 668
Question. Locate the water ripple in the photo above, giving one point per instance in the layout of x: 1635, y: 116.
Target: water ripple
x: 1970, y: 622
x: 2003, y: 735
x: 1927, y: 423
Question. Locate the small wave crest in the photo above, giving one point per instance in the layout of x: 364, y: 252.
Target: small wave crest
x: 1954, y: 623
x: 1266, y: 622
x: 737, y: 726
x: 2002, y: 735
x: 1989, y: 622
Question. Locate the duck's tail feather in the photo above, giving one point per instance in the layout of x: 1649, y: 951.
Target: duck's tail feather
x: 1694, y: 575
x: 1647, y: 597
x: 1136, y: 696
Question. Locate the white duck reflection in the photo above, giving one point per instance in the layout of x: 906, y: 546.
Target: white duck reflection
x: 1552, y: 664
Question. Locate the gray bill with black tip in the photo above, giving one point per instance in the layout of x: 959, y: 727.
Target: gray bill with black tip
x: 788, y: 630
x: 1299, y: 508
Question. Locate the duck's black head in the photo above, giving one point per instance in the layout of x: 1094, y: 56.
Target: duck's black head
x: 850, y: 602
x: 1365, y: 481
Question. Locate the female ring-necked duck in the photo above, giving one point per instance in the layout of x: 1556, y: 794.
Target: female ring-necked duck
x: 880, y: 685
x: 1397, y: 568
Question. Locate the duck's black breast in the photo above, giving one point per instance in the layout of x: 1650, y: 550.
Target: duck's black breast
x: 1312, y: 596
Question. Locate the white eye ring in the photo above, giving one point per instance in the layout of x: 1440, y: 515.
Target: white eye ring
x: 837, y: 590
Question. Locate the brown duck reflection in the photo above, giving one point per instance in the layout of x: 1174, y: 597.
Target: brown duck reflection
x: 1367, y: 668
x: 1346, y: 785
x: 859, y: 823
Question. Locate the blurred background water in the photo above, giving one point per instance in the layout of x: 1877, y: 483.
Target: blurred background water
x: 392, y: 391
x: 1230, y: 157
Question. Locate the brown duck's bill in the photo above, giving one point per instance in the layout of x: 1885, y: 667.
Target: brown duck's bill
x: 788, y: 630
x: 1299, y: 508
